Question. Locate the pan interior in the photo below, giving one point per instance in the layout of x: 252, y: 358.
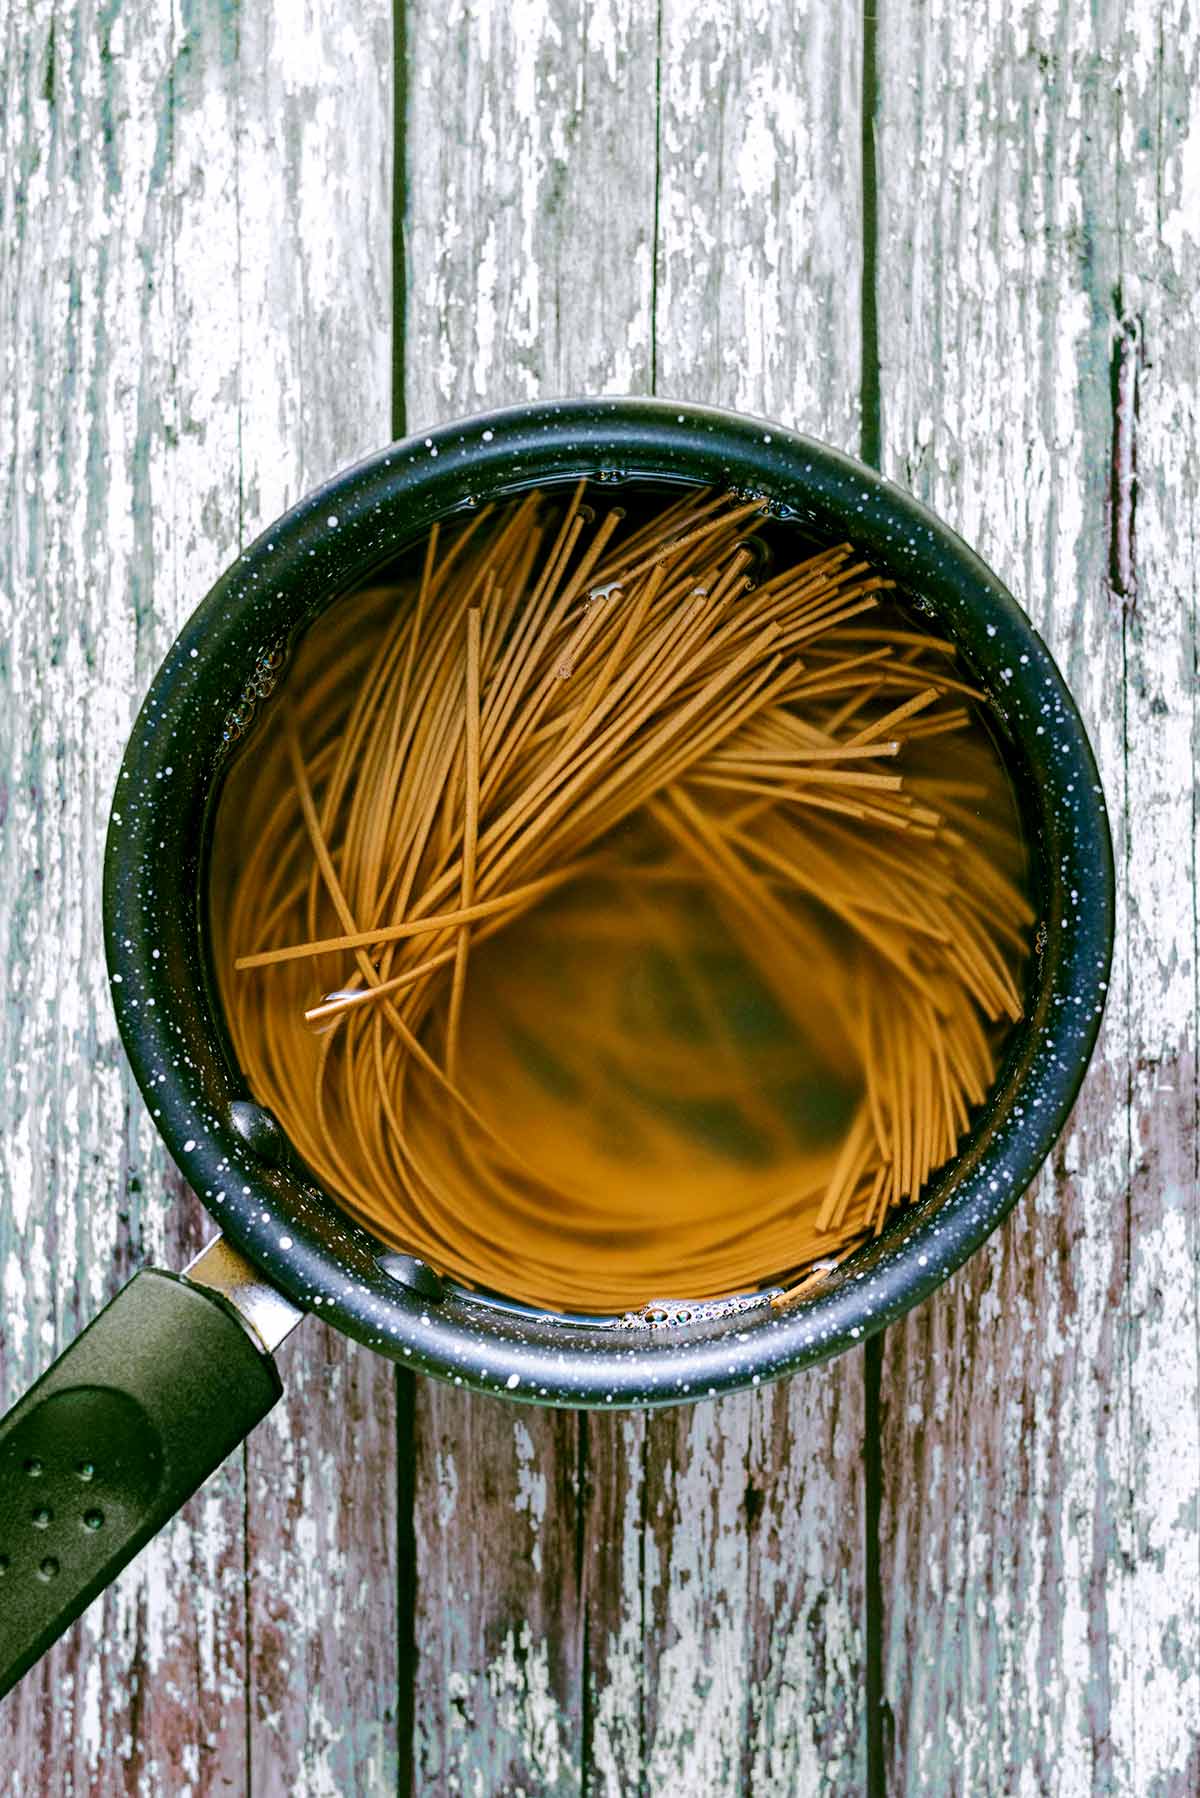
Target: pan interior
x: 656, y: 990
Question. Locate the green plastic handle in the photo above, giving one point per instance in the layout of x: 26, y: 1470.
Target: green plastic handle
x: 128, y: 1423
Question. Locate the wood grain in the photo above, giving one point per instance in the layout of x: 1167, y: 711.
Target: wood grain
x: 195, y: 327
x: 529, y: 230
x: 150, y: 1687
x: 313, y: 131
x: 1037, y: 271
x: 752, y: 1652
x: 760, y: 238
x: 623, y: 1605
x: 619, y: 195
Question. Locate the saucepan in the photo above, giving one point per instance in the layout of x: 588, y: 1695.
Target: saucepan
x: 178, y: 1368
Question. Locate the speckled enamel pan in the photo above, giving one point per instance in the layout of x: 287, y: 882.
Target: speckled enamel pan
x: 176, y: 1370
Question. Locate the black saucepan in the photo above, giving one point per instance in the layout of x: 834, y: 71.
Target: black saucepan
x: 168, y: 1378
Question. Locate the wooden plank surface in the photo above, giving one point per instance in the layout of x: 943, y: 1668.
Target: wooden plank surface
x: 195, y: 305
x: 753, y: 1649
x: 93, y: 458
x: 313, y: 123
x: 616, y: 197
x: 619, y: 195
x: 1037, y: 270
x: 529, y: 226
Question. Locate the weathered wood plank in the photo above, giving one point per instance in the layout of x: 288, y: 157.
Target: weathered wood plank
x: 321, y: 1495
x: 181, y: 359
x: 101, y: 403
x: 751, y: 1662
x: 313, y: 128
x: 1040, y: 228
x: 633, y: 1604
x: 529, y: 232
x: 530, y: 216
x: 1155, y: 566
x: 751, y: 1655
x: 759, y: 251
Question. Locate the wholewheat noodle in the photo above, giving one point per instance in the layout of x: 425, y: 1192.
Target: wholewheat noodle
x: 603, y: 914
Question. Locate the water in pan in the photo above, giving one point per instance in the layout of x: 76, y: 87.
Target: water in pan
x: 744, y: 891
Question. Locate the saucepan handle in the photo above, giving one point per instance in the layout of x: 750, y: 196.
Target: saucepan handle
x: 128, y: 1423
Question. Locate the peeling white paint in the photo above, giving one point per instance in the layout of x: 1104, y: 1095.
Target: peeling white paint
x: 1044, y: 1450
x: 199, y: 333
x: 531, y: 1488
